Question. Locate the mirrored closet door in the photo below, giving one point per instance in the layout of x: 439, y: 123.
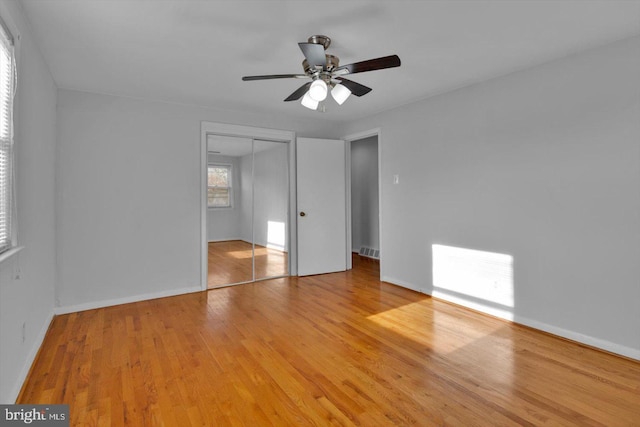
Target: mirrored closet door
x: 247, y: 212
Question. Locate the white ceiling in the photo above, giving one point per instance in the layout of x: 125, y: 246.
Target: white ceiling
x: 195, y: 52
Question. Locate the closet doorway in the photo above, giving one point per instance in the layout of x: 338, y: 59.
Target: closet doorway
x: 247, y: 209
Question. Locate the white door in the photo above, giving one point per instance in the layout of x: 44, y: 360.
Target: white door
x: 322, y: 226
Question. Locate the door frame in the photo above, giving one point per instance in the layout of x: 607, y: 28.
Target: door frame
x: 348, y: 139
x: 289, y: 137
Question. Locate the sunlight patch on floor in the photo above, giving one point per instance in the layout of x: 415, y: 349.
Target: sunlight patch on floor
x: 422, y: 323
x: 241, y: 254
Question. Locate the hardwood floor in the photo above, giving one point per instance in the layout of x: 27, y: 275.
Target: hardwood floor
x: 231, y: 262
x: 336, y: 349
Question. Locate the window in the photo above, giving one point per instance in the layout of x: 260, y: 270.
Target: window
x: 7, y: 90
x: 219, y: 186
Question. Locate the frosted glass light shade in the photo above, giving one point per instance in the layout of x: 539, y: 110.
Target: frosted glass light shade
x: 340, y: 93
x: 318, y: 90
x: 309, y: 102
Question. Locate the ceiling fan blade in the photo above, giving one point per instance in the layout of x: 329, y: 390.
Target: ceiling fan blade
x: 299, y: 92
x: 369, y: 65
x: 356, y: 88
x: 274, y: 76
x: 314, y: 53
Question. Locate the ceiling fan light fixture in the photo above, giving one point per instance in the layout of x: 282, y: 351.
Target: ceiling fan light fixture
x: 309, y: 102
x: 318, y: 90
x: 340, y: 93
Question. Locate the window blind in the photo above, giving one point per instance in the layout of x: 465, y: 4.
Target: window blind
x: 7, y: 90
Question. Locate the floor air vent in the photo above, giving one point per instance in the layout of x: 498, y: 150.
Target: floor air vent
x: 369, y: 252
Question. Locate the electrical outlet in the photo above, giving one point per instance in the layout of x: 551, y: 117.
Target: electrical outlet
x: 17, y: 273
x: 24, y: 331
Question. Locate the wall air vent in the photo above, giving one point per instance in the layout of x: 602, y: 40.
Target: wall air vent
x: 369, y: 252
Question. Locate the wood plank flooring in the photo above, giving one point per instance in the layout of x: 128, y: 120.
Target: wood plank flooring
x: 336, y: 349
x: 231, y: 262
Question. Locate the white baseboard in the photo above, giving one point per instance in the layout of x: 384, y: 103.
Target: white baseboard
x: 505, y: 313
x: 126, y: 300
x: 230, y: 239
x: 401, y: 283
x: 622, y: 350
x: 601, y: 344
x: 31, y: 358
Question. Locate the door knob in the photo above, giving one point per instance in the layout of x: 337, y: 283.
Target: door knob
x: 302, y: 214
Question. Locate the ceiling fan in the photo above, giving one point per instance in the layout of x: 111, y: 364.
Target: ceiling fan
x: 325, y: 72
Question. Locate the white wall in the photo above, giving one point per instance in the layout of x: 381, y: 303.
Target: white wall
x: 129, y: 180
x: 364, y: 194
x: 29, y: 300
x: 224, y: 223
x: 543, y: 165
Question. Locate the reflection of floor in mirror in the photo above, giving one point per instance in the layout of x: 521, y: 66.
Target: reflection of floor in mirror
x: 231, y: 262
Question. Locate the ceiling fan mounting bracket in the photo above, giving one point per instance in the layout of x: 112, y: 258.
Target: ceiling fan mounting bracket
x: 321, y: 40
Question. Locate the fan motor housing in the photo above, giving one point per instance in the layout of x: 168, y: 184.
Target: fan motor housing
x: 332, y: 62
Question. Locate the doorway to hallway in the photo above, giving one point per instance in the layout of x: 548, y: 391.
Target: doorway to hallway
x: 364, y: 196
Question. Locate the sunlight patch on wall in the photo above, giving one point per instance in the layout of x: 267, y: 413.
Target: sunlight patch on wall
x: 276, y: 235
x: 476, y: 279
